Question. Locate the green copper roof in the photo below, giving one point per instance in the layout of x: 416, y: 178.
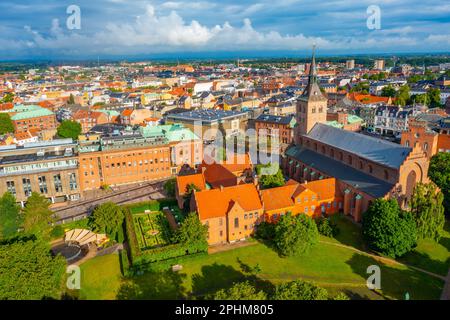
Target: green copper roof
x: 27, y: 112
x: 352, y: 119
x: 109, y: 113
x: 335, y: 124
x: 173, y: 132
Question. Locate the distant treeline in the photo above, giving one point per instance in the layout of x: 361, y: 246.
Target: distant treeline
x: 366, y: 60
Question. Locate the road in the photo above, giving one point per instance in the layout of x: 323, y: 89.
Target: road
x: 137, y: 193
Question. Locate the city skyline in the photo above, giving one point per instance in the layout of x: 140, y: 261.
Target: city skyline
x: 119, y: 28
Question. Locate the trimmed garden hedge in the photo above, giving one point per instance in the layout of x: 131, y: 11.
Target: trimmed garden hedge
x: 140, y: 257
x: 168, y: 252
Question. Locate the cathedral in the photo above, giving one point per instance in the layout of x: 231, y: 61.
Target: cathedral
x: 364, y: 167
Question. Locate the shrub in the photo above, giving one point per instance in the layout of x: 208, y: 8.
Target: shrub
x: 57, y: 232
x: 300, y: 290
x: 326, y: 227
x: 168, y: 252
x: 295, y: 235
x: 124, y: 263
x: 265, y: 231
x: 169, y: 187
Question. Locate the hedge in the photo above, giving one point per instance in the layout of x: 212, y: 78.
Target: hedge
x: 153, y: 205
x: 131, y: 235
x: 124, y: 263
x: 139, y: 257
x: 168, y: 252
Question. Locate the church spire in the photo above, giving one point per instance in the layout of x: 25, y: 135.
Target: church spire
x: 312, y: 90
x: 312, y: 67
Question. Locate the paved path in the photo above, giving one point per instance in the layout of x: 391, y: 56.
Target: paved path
x: 385, y: 260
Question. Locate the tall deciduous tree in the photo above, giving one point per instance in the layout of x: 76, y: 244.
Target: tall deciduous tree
x: 29, y: 271
x: 190, y: 188
x: 403, y: 95
x: 192, y: 231
x: 300, y: 290
x: 270, y: 180
x: 69, y: 129
x: 295, y: 234
x: 388, y: 229
x: 37, y: 215
x: 428, y: 211
x: 439, y: 173
x: 240, y: 291
x: 169, y: 187
x: 434, y: 97
x: 107, y: 218
x: 6, y: 125
x: 71, y: 99
x: 10, y: 218
x: 388, y: 91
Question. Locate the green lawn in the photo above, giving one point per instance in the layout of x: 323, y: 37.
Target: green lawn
x: 335, y: 268
x: 100, y: 278
x: 431, y: 256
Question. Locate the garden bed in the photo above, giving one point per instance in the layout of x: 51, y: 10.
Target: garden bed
x: 152, y: 230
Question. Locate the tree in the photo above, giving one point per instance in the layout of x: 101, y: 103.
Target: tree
x: 434, y: 97
x: 192, y: 231
x: 428, y: 211
x: 240, y: 291
x: 190, y: 188
x: 295, y: 235
x: 169, y: 187
x: 107, y: 218
x: 32, y: 272
x: 10, y: 219
x: 388, y: 91
x: 341, y: 296
x: 6, y: 125
x: 270, y: 180
x: 420, y: 99
x: 326, y: 227
x: 403, y: 95
x: 439, y: 173
x: 37, y: 215
x: 7, y: 98
x: 71, y: 99
x: 69, y: 129
x: 388, y: 229
x: 300, y: 290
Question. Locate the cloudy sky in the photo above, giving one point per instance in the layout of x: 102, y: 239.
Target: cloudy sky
x: 38, y: 28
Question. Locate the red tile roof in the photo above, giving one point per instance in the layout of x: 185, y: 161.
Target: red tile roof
x: 184, y: 181
x: 216, y: 203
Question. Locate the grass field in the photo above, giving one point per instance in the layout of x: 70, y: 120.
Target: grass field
x: 431, y: 256
x: 100, y: 278
x: 335, y: 268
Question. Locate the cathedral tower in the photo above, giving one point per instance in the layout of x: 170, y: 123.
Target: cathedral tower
x: 311, y: 105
